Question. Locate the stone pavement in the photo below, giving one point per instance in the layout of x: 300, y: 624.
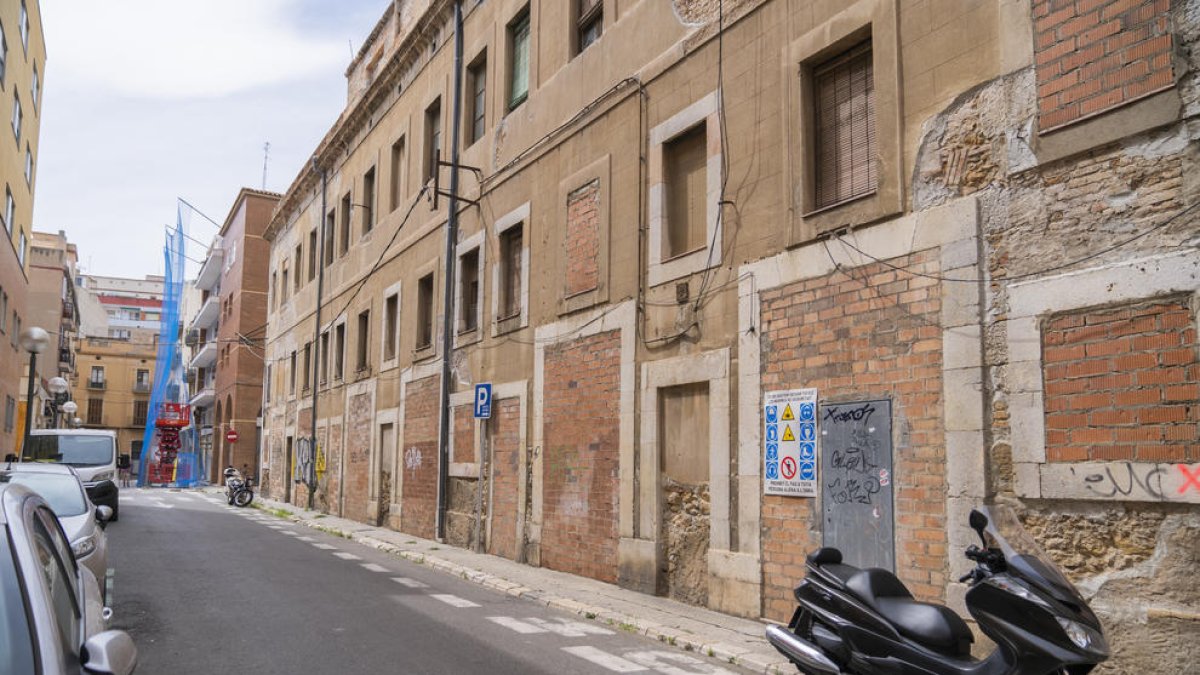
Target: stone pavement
x: 726, y: 638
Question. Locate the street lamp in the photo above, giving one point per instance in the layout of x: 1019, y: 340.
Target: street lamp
x: 69, y: 408
x: 33, y: 340
x: 57, y: 386
x: 76, y: 422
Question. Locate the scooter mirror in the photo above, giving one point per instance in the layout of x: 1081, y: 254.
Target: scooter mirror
x: 978, y: 523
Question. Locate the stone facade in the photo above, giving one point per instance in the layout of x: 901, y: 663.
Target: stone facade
x: 1000, y: 226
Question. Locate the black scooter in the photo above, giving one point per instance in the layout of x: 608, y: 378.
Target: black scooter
x: 864, y: 621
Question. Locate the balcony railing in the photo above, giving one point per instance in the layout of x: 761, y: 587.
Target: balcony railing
x: 141, y: 387
x: 96, y: 384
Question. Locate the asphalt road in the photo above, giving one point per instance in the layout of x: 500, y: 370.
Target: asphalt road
x: 203, y: 587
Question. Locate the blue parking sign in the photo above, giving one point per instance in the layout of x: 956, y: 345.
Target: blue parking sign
x: 483, y: 401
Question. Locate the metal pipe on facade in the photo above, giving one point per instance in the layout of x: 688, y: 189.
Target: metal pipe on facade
x: 315, y: 381
x: 448, y: 293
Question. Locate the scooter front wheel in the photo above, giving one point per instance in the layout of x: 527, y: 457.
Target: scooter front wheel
x: 243, y: 498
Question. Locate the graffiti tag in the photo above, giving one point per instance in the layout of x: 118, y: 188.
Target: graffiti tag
x: 839, y: 414
x: 1125, y: 481
x: 853, y: 490
x: 1190, y: 480
x: 412, y: 458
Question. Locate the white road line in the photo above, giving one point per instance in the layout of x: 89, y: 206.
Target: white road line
x: 374, y: 568
x: 674, y: 663
x: 516, y: 624
x: 307, y: 539
x: 347, y: 556
x: 411, y: 583
x: 563, y: 627
x: 453, y: 600
x: 605, y: 660
x: 290, y: 533
x: 275, y: 527
x: 324, y: 547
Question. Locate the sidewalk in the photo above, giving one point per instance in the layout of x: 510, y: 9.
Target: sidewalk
x: 701, y: 631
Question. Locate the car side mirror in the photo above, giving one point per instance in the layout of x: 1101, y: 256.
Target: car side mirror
x: 111, y: 653
x: 979, y: 523
x: 104, y: 513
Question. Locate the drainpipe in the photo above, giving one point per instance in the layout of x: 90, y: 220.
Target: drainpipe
x: 448, y: 293
x: 313, y: 377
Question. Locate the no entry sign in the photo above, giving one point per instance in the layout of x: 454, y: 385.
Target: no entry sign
x: 231, y: 436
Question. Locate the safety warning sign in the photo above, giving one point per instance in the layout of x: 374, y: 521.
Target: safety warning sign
x: 789, y: 439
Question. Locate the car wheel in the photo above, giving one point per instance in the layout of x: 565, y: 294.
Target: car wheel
x: 116, y: 513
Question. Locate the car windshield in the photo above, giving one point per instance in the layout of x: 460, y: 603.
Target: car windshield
x: 16, y: 643
x: 75, y: 450
x: 1025, y: 558
x: 61, y: 492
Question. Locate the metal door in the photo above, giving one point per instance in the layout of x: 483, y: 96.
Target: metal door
x: 856, y: 482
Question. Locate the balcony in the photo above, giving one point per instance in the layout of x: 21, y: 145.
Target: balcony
x: 206, y: 356
x: 208, y: 313
x: 66, y: 360
x: 203, y: 398
x: 210, y: 271
x: 141, y: 387
x: 96, y: 384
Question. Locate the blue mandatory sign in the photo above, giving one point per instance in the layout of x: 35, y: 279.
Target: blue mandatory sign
x: 772, y: 470
x: 808, y: 431
x: 772, y: 414
x: 772, y: 432
x: 808, y: 412
x: 808, y: 451
x: 808, y: 470
x: 772, y: 451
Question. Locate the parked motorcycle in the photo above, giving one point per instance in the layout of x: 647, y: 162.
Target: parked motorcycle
x: 864, y: 621
x: 238, y: 492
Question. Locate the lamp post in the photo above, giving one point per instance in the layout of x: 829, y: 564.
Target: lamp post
x: 58, y: 387
x: 33, y: 340
x: 69, y: 408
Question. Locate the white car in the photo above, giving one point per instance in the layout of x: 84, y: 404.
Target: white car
x: 81, y: 520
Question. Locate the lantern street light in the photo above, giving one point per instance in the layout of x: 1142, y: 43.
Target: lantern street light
x: 56, y: 386
x: 77, y: 422
x: 33, y: 340
x: 69, y: 408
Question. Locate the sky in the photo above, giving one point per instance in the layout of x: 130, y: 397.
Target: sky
x: 147, y: 101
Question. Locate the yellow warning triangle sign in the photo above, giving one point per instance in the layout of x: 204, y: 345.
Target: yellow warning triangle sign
x: 787, y: 434
x: 787, y: 414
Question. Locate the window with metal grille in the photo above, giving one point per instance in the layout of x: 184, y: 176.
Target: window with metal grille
x: 95, y: 411
x: 844, y: 98
x: 140, y: 411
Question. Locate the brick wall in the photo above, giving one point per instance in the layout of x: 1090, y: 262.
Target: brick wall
x: 506, y: 477
x: 583, y: 238
x: 358, y: 457
x: 1122, y: 383
x: 580, y: 484
x: 463, y: 449
x: 1092, y: 55
x: 874, y: 334
x: 418, y: 513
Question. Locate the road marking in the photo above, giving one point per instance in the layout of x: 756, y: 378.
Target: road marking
x: 325, y: 547
x: 453, y: 600
x: 275, y: 527
x: 161, y: 505
x: 411, y: 583
x: 563, y: 627
x: 347, y: 556
x: 605, y: 660
x: 374, y: 568
x: 674, y: 663
x: 290, y: 533
x: 307, y: 539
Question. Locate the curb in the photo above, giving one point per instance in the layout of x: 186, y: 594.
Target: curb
x: 724, y: 653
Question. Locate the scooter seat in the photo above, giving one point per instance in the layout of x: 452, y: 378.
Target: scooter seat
x: 829, y: 560
x: 934, y: 626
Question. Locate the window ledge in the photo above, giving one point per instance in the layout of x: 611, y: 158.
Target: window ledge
x: 508, y: 324
x: 835, y: 205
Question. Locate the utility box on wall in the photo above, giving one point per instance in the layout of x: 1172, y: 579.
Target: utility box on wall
x: 857, y: 505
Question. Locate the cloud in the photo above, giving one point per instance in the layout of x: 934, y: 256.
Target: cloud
x: 172, y: 49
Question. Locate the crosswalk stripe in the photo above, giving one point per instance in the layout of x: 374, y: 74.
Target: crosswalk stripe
x: 324, y: 547
x: 559, y: 626
x: 453, y: 600
x: 411, y: 583
x: 374, y: 568
x: 306, y: 539
x: 347, y: 556
x: 605, y: 660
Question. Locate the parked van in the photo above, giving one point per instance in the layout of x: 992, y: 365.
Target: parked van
x: 92, y: 453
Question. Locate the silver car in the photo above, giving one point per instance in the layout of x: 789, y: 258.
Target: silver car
x: 51, y: 618
x: 81, y: 520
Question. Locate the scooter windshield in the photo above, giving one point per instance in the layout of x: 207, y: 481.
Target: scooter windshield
x: 1025, y: 558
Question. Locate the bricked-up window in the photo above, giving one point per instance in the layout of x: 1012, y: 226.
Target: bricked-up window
x: 312, y: 255
x: 844, y: 124
x: 589, y: 24
x: 511, y: 243
x: 397, y: 167
x: 477, y: 80
x: 362, y: 353
x: 330, y: 226
x: 433, y: 140
x: 368, y: 201
x: 299, y: 266
x: 685, y: 160
x: 583, y: 238
x: 324, y: 374
x: 307, y: 377
x: 339, y: 351
x: 391, y: 315
x: 518, y: 60
x: 1095, y: 56
x: 292, y: 374
x: 468, y: 291
x: 425, y: 312
x: 344, y: 233
x: 1122, y: 383
x: 95, y: 411
x: 141, y: 410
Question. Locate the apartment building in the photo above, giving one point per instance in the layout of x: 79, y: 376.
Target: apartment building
x: 753, y: 277
x: 53, y: 306
x: 22, y: 69
x: 225, y: 370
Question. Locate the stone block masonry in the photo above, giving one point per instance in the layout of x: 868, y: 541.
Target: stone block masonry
x: 419, y: 459
x: 580, y: 460
x: 1122, y: 383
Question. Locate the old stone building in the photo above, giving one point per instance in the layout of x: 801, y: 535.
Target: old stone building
x: 749, y: 277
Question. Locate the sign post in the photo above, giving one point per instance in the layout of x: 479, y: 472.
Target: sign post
x: 790, y: 442
x: 483, y: 401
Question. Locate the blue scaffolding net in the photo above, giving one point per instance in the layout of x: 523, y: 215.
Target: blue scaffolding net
x: 169, y: 445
